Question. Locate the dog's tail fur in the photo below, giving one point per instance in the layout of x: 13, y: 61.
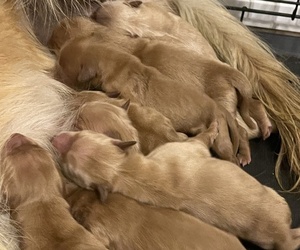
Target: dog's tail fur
x: 273, y: 84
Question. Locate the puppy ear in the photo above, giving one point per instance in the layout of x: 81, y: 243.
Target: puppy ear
x: 86, y: 74
x: 135, y: 4
x: 126, y: 105
x: 113, y: 134
x: 123, y: 144
x: 16, y: 140
x: 63, y: 142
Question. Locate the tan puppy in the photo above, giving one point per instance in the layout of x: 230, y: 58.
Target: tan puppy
x: 188, y: 108
x: 154, y: 129
x: 182, y: 176
x: 33, y: 189
x: 131, y: 225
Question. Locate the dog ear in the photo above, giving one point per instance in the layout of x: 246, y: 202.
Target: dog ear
x: 123, y: 144
x: 126, y: 105
x: 63, y: 142
x: 16, y: 140
x: 113, y: 134
x: 135, y: 4
x: 86, y: 74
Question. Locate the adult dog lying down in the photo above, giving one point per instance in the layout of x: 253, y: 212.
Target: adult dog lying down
x: 182, y: 176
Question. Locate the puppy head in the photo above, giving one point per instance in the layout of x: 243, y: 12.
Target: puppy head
x: 77, y: 65
x: 29, y: 171
x: 89, y: 158
x: 135, y: 17
x: 70, y: 28
x: 108, y: 119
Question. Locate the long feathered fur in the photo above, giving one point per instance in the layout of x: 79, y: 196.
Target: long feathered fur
x: 273, y: 84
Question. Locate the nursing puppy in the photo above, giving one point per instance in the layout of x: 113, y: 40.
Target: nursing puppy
x: 33, y: 189
x: 110, y: 70
x: 153, y: 228
x: 182, y: 176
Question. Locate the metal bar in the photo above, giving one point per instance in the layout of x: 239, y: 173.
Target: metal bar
x: 295, y: 11
x: 273, y: 13
x: 285, y: 2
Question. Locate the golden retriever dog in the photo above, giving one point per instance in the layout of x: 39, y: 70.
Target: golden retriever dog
x: 131, y: 225
x: 272, y: 82
x: 153, y: 128
x: 33, y: 189
x: 182, y: 176
x: 221, y: 82
x: 111, y: 70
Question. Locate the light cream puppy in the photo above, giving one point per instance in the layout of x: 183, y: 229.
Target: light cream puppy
x: 109, y: 69
x: 131, y: 225
x: 33, y: 189
x: 185, y: 177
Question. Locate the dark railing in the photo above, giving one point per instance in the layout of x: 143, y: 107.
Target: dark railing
x: 292, y: 15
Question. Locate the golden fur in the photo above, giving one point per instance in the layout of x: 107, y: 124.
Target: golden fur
x: 182, y: 176
x: 153, y: 228
x: 33, y: 189
x: 273, y: 84
x: 234, y: 44
x: 153, y: 128
x: 221, y: 82
x: 188, y: 108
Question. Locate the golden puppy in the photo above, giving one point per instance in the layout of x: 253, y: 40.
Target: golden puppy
x: 131, y: 225
x: 33, y: 189
x: 188, y: 108
x: 182, y: 176
x: 154, y: 129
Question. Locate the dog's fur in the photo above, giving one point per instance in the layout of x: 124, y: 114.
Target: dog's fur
x: 221, y: 82
x: 182, y: 176
x: 34, y: 192
x: 132, y: 225
x: 103, y: 117
x: 109, y: 69
x: 272, y: 82
x: 154, y: 129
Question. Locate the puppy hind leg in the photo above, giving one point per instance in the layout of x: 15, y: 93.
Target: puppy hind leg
x: 259, y: 114
x: 244, y: 154
x: 222, y: 145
